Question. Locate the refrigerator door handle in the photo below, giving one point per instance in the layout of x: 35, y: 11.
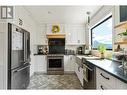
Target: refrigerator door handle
x: 25, y: 47
x: 18, y: 70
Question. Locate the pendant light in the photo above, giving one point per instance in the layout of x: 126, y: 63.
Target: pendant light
x: 88, y: 17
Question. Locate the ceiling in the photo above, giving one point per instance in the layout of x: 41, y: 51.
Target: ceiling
x: 61, y: 14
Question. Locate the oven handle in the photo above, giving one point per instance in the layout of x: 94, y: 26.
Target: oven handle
x: 21, y: 69
x: 88, y: 67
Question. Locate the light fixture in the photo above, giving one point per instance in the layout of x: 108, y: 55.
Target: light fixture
x: 88, y: 17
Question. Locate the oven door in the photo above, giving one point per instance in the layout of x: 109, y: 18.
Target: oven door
x: 54, y: 63
x: 89, y: 77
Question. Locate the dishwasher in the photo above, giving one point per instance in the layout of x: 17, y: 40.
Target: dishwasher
x: 89, y: 75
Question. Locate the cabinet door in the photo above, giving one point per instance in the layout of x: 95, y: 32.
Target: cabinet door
x: 66, y: 63
x: 120, y: 84
x: 75, y: 34
x: 71, y: 34
x: 40, y: 63
x: 81, y: 34
x: 77, y: 69
x: 79, y: 73
x: 72, y: 62
x: 69, y: 63
x: 107, y: 79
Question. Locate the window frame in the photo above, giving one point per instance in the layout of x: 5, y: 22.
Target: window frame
x: 98, y: 25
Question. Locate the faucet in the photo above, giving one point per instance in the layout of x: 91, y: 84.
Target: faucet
x: 124, y: 62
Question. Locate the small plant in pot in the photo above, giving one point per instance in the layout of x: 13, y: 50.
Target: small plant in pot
x: 123, y: 35
x: 101, y: 48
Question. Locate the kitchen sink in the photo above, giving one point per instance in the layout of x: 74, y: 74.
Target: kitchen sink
x: 92, y: 58
x: 89, y: 57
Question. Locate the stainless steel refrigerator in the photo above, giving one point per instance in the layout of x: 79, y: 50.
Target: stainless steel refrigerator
x: 18, y: 57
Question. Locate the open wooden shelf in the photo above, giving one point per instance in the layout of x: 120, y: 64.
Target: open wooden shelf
x: 116, y: 43
x: 122, y: 25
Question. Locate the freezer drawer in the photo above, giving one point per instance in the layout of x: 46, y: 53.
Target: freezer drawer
x: 20, y: 78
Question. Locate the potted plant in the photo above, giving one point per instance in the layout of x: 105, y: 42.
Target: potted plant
x: 123, y: 35
x: 101, y: 48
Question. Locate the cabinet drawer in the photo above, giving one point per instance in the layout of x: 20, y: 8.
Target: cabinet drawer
x: 106, y: 78
x: 103, y: 86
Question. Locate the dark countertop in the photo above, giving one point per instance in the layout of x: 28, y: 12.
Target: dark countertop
x: 111, y: 67
x: 50, y: 54
x: 39, y: 54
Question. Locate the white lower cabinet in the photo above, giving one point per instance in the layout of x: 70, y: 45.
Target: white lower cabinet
x: 40, y: 63
x: 69, y: 63
x: 106, y: 81
x: 79, y: 73
x: 120, y: 84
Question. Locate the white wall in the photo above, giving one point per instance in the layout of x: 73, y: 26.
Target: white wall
x: 30, y: 26
x: 3, y: 55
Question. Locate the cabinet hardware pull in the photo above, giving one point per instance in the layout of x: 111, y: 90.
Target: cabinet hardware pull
x: 104, y: 76
x: 102, y: 87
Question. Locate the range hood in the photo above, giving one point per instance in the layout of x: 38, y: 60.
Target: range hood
x: 55, y: 36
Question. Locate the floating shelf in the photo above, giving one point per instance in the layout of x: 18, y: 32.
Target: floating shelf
x: 116, y: 43
x: 122, y: 25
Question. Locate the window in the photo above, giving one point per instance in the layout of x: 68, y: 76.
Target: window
x: 102, y: 34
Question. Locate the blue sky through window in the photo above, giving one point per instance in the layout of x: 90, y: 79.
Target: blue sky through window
x: 103, y: 34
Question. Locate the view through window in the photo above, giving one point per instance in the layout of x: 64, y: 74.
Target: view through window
x: 102, y: 34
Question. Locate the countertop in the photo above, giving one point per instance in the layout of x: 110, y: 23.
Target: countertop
x: 110, y: 66
x: 39, y: 54
x: 58, y: 54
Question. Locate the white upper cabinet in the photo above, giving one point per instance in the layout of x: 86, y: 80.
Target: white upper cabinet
x: 75, y: 34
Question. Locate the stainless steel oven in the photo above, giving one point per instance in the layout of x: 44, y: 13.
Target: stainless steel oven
x: 55, y: 64
x: 89, y: 75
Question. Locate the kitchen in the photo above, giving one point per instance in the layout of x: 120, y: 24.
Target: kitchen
x: 59, y: 46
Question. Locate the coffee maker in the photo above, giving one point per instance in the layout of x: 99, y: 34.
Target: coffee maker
x: 80, y: 50
x: 40, y: 49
